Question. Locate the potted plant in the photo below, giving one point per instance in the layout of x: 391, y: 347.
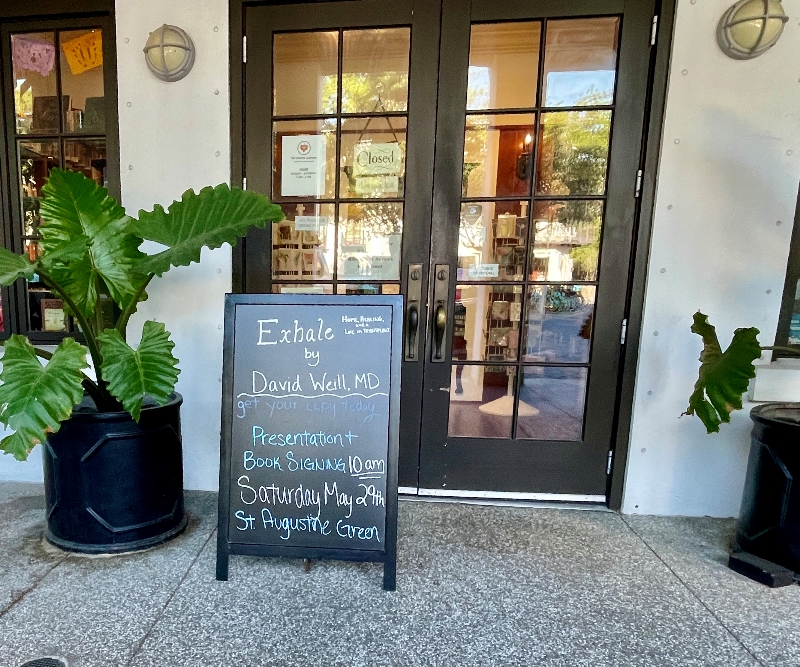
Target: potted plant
x: 112, y: 446
x: 767, y: 546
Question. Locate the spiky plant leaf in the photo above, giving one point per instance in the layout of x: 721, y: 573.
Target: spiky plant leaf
x: 75, y: 206
x: 13, y: 266
x: 723, y: 376
x: 35, y: 399
x: 150, y: 369
x: 206, y: 219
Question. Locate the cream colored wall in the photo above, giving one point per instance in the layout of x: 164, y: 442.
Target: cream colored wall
x: 175, y: 136
x: 727, y: 189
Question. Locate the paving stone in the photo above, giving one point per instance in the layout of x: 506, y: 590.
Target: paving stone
x: 766, y: 620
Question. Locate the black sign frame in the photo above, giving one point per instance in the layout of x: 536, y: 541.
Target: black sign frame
x: 226, y: 548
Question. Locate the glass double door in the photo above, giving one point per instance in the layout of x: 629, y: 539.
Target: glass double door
x: 481, y: 159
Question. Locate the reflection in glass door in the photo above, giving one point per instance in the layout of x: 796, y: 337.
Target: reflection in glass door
x: 340, y: 111
x: 534, y: 183
x: 540, y: 244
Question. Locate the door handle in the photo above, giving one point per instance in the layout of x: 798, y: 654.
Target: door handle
x: 413, y: 327
x: 413, y: 299
x: 440, y: 326
x: 441, y: 294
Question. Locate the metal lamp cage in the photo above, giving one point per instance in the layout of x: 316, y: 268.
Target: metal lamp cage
x: 731, y: 48
x: 164, y: 41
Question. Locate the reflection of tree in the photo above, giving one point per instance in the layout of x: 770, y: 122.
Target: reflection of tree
x: 368, y: 91
x: 575, y: 223
x: 575, y: 150
x: 371, y: 221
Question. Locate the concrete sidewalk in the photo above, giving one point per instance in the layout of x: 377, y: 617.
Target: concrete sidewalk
x: 475, y: 586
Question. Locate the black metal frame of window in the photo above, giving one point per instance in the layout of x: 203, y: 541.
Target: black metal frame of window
x: 49, y: 16
x: 791, y: 287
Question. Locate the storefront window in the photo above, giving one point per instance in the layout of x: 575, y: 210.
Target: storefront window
x: 60, y: 121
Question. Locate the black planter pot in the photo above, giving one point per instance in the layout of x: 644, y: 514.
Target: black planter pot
x: 113, y: 485
x: 769, y: 523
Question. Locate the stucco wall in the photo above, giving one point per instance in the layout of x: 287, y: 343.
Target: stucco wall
x: 175, y: 136
x: 727, y: 188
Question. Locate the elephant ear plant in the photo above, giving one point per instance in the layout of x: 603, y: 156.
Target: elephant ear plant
x: 724, y: 376
x: 90, y: 252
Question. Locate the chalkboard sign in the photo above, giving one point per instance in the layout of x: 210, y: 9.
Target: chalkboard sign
x: 310, y: 424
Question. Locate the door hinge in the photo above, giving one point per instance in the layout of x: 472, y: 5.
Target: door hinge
x: 244, y: 182
x: 609, y: 461
x: 244, y: 49
x: 638, y: 183
x: 624, y: 335
x: 654, y: 30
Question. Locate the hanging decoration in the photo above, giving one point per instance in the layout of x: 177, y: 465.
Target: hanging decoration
x: 85, y: 52
x: 34, y: 55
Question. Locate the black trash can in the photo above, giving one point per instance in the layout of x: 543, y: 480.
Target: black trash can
x: 769, y: 522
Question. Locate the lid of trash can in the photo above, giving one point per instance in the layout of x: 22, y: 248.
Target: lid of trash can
x: 785, y: 413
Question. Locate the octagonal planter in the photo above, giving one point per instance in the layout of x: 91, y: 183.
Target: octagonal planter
x: 113, y: 485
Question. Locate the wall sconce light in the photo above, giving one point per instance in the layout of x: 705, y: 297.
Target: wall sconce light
x: 169, y: 53
x: 750, y: 27
x: 525, y: 159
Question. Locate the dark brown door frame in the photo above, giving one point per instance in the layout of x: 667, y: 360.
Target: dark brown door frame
x: 651, y: 140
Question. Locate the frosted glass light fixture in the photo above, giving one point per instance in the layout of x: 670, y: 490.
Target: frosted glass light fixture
x: 169, y: 53
x: 750, y: 27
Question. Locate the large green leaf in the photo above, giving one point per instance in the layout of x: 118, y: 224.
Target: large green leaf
x: 75, y: 206
x: 35, y: 399
x: 150, y: 369
x: 724, y: 376
x: 206, y: 219
x: 13, y: 266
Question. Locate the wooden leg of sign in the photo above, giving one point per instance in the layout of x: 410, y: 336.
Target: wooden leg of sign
x: 307, y: 564
x: 222, y: 562
x: 390, y: 573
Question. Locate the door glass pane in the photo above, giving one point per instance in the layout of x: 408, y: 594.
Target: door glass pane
x: 573, y: 153
x: 302, y: 244
x: 305, y: 73
x: 36, y: 160
x: 82, y: 96
x: 558, y: 323
x: 373, y: 157
x: 35, y: 86
x: 580, y: 62
x: 301, y: 288
x: 503, y: 65
x: 304, y: 158
x: 481, y: 401
x: 369, y: 241
x: 368, y: 288
x: 87, y: 156
x: 551, y: 403
x: 565, y: 239
x: 375, y: 70
x: 486, y: 322
x: 491, y: 240
x: 498, y: 155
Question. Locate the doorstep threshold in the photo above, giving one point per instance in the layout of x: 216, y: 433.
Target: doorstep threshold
x: 505, y: 499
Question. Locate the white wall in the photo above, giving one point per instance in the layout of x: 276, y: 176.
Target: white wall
x: 727, y: 189
x: 175, y: 136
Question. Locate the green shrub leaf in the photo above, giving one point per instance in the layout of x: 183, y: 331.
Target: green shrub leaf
x: 150, y: 369
x: 13, y: 266
x: 206, y: 219
x: 724, y: 376
x: 74, y: 206
x: 35, y: 399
